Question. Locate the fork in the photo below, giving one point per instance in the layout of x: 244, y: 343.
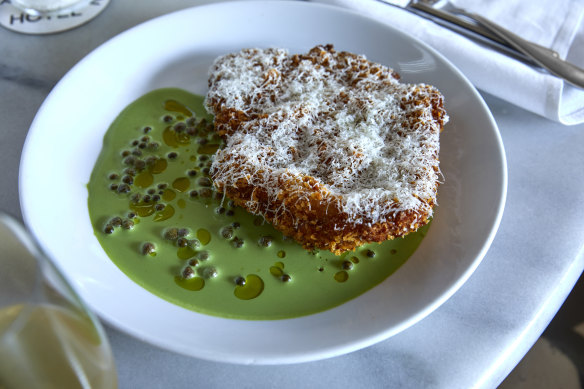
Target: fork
x: 477, y: 27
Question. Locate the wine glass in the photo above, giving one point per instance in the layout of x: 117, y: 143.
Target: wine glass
x: 48, y: 337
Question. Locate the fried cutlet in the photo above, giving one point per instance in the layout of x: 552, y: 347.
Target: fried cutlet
x: 329, y: 147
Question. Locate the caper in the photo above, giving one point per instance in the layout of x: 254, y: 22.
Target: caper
x: 139, y: 164
x: 265, y: 241
x: 205, y: 192
x: 148, y: 248
x: 180, y: 127
x: 128, y: 224
x: 123, y: 188
x: 204, y: 181
x: 370, y: 253
x: 227, y: 232
x: 171, y: 234
x: 347, y: 265
x: 203, y: 255
x: 286, y: 278
x: 209, y: 272
x: 237, y: 242
x: 239, y: 280
x: 188, y: 272
x: 182, y: 232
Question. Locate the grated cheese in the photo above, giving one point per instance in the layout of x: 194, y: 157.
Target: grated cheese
x: 370, y: 142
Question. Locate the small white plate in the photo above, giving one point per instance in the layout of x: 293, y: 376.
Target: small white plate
x: 177, y: 50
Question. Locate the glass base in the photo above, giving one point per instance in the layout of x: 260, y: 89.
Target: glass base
x: 44, y: 21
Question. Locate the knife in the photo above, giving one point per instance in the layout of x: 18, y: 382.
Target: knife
x: 479, y: 28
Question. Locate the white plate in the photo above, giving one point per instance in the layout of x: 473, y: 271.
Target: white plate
x: 176, y: 50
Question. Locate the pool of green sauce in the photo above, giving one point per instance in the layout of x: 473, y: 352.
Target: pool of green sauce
x: 151, y: 181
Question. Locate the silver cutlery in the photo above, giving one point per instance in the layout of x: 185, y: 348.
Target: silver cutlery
x: 479, y: 28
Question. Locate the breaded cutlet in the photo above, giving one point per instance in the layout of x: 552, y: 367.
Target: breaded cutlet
x: 329, y: 147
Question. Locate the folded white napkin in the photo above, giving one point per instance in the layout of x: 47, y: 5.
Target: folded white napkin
x: 557, y: 25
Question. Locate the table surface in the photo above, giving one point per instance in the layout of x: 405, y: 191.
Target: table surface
x: 473, y: 340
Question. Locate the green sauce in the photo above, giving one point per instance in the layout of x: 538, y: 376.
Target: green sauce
x: 157, y: 216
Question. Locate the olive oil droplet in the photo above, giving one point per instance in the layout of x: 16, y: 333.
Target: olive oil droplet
x: 159, y: 166
x: 276, y: 271
x: 253, y: 287
x: 185, y: 252
x: 209, y: 148
x: 142, y: 210
x: 165, y: 214
x: 194, y: 284
x: 203, y: 236
x: 175, y: 106
x: 181, y: 184
x: 168, y: 195
x: 341, y: 276
x: 143, y: 180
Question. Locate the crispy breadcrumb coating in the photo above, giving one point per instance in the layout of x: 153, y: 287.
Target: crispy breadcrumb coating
x: 328, y: 146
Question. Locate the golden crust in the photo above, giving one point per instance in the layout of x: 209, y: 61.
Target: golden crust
x: 304, y: 209
x: 313, y: 219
